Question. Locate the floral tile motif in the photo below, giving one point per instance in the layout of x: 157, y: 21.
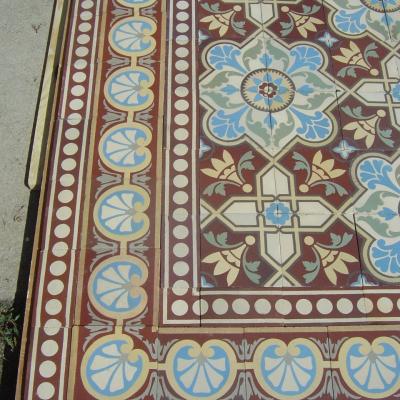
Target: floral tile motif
x: 290, y: 365
x: 365, y: 365
x: 376, y: 213
x: 221, y: 204
x: 370, y: 128
x: 295, y: 21
x: 230, y: 20
x: 270, y: 99
x: 359, y: 18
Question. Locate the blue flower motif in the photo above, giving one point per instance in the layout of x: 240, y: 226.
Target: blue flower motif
x: 201, y: 372
x: 387, y: 257
x: 355, y: 17
x: 288, y: 371
x: 113, y: 369
x: 133, y: 36
x: 117, y: 212
x: 328, y: 39
x: 228, y: 126
x: 120, y: 212
x: 374, y: 369
x: 344, y: 149
x: 351, y: 22
x: 277, y: 213
x: 225, y: 55
x: 115, y: 287
x: 378, y: 214
x: 124, y: 147
x: 305, y: 57
x: 313, y: 127
x: 375, y: 171
x: 129, y: 88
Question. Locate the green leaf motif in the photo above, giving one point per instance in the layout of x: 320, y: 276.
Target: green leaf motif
x: 219, y: 80
x: 215, y: 188
x: 385, y: 135
x: 381, y: 228
x: 287, y: 27
x: 245, y: 163
x: 355, y: 112
x: 251, y: 269
x: 374, y: 202
x: 332, y: 188
x: 222, y: 100
x: 278, y: 54
x: 312, y: 268
x: 252, y: 53
x: 397, y: 175
x: 370, y: 52
x: 339, y: 241
x: 238, y: 27
x: 211, y: 8
x: 220, y: 240
x: 301, y: 163
x: 349, y: 71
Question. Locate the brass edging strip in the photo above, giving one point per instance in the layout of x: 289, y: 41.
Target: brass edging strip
x: 47, y: 94
x: 59, y: 30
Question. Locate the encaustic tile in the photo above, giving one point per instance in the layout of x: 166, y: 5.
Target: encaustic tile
x: 203, y: 363
x: 369, y: 117
x: 228, y: 20
x: 376, y: 236
x: 119, y: 361
x: 117, y: 290
x: 365, y: 362
x: 237, y: 167
x: 281, y: 364
x: 49, y: 358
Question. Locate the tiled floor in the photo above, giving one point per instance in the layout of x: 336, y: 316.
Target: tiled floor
x: 221, y: 212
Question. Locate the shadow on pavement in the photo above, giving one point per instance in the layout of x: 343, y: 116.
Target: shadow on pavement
x: 10, y: 364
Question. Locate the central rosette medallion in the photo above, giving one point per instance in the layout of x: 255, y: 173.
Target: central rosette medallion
x: 267, y: 90
x: 266, y: 93
x: 378, y: 6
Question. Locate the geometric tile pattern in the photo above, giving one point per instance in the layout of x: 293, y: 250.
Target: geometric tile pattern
x: 220, y: 215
